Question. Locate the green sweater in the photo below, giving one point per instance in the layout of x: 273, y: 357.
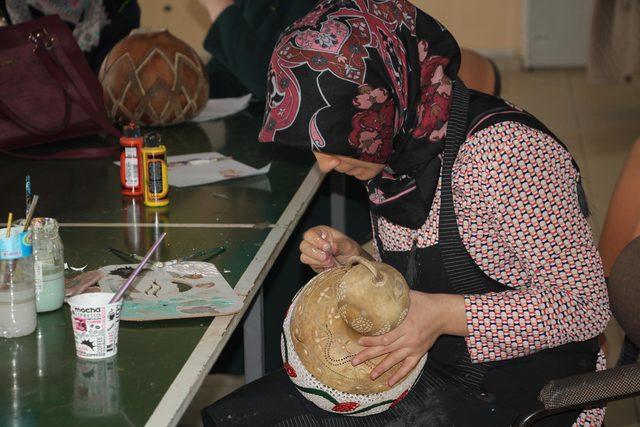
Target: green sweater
x: 241, y: 41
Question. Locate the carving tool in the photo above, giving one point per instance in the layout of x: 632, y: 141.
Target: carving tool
x: 334, y: 261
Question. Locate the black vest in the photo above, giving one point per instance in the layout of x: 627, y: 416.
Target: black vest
x: 448, y: 268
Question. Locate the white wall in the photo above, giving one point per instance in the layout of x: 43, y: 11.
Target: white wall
x: 494, y: 27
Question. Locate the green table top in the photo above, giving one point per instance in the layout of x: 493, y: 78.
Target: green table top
x: 89, y: 191
x: 45, y: 384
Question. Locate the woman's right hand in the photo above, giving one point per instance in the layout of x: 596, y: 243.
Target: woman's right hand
x: 323, y: 247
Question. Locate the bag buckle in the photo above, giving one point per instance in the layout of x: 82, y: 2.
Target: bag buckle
x: 40, y: 39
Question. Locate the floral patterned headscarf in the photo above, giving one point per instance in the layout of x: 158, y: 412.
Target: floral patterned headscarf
x: 372, y: 80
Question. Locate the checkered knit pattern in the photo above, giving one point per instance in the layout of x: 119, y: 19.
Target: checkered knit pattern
x: 396, y: 238
x: 515, y: 198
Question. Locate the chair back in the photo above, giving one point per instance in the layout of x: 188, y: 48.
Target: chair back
x: 624, y: 290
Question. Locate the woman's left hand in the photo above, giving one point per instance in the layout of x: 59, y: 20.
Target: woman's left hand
x: 430, y: 315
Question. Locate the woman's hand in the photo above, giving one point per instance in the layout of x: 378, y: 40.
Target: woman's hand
x: 430, y: 315
x: 215, y: 7
x: 323, y: 247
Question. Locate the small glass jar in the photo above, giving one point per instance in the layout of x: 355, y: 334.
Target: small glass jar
x: 17, y: 290
x: 48, y: 254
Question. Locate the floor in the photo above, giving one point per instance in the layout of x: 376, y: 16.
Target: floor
x: 598, y: 123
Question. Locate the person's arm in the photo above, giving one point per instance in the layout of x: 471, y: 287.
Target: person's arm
x: 232, y: 41
x: 530, y: 186
x: 216, y: 7
x: 430, y: 315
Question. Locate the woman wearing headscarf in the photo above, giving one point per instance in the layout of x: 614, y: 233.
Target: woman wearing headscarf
x: 472, y: 199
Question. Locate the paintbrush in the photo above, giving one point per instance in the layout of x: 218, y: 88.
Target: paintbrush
x: 7, y: 273
x: 205, y: 254
x: 9, y: 221
x: 135, y: 272
x: 27, y: 192
x: 124, y: 255
x: 32, y: 209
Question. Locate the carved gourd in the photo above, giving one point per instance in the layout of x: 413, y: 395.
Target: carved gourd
x: 153, y: 78
x: 373, y: 298
x: 322, y: 328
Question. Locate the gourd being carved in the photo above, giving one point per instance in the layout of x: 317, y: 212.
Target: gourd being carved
x: 373, y: 298
x: 322, y: 329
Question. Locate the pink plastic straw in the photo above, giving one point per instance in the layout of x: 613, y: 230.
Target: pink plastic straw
x: 135, y: 272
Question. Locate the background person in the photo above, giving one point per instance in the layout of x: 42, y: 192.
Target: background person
x: 244, y: 32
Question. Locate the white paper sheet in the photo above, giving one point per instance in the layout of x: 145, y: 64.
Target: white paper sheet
x: 206, y: 168
x: 222, y: 107
x: 188, y: 170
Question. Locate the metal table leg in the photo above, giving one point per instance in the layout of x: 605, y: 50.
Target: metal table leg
x: 338, y: 201
x: 253, y: 327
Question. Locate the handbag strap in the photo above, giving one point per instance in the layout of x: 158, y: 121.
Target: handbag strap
x: 43, y: 52
x: 43, y: 44
x: 42, y: 49
x: 31, y: 128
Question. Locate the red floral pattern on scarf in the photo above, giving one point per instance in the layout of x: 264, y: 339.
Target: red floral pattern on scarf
x: 435, y: 96
x: 341, y: 82
x: 336, y: 38
x: 373, y: 125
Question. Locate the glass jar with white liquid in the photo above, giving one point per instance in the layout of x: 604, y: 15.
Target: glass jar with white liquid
x: 17, y: 287
x: 48, y: 261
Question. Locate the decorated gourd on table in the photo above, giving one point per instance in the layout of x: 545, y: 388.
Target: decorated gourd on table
x: 153, y: 78
x: 322, y: 328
